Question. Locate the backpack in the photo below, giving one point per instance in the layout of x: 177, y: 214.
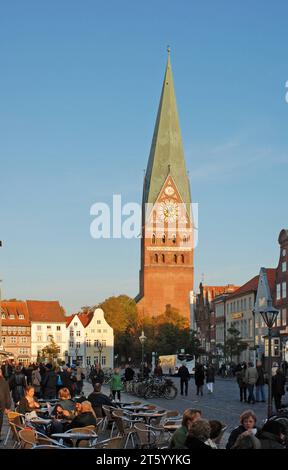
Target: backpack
x: 59, y: 380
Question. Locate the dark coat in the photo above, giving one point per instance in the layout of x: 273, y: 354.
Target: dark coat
x: 233, y: 436
x: 194, y: 443
x: 240, y: 377
x: 82, y: 420
x: 97, y: 399
x: 66, y: 381
x: 278, y: 384
x: 5, y: 398
x: 129, y: 374
x: 97, y: 377
x: 49, y: 382
x: 199, y: 376
x: 17, y: 385
x: 210, y: 375
x: 270, y: 441
x: 261, y: 377
x: 183, y: 373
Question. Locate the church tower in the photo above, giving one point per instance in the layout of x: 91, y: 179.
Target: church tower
x: 166, y: 275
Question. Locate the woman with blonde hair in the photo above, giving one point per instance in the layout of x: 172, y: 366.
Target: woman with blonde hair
x: 65, y: 400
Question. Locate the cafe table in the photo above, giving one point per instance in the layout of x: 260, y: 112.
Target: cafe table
x: 75, y: 437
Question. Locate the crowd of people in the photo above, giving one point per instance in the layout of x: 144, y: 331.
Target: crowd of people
x: 27, y: 385
x: 198, y: 433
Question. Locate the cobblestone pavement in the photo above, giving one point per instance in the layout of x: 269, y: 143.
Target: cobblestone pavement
x: 223, y: 405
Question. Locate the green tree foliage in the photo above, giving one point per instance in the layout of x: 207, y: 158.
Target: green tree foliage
x: 51, y: 351
x: 234, y: 344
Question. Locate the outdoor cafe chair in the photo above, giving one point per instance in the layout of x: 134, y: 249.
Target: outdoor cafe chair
x: 109, y: 420
x: 125, y: 426
x: 113, y: 443
x: 90, y: 430
x: 146, y: 437
x: 18, y: 420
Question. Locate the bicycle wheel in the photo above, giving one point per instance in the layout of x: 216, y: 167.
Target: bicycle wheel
x: 170, y: 392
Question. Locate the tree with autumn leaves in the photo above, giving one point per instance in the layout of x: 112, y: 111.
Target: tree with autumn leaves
x: 166, y: 333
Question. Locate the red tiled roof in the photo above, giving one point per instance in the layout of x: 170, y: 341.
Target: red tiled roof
x: 15, y: 308
x: 252, y: 285
x: 45, y: 311
x: 85, y: 318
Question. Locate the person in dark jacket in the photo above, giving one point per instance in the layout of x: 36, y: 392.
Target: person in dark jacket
x: 85, y: 418
x: 7, y: 370
x: 199, y: 378
x: 158, y: 372
x: 260, y: 384
x: 49, y: 383
x: 210, y: 378
x: 17, y: 384
x: 184, y: 375
x: 97, y: 375
x: 278, y: 387
x: 272, y: 435
x: 247, y: 423
x: 67, y: 382
x: 97, y: 399
x: 5, y: 399
x: 198, y: 434
x: 240, y: 377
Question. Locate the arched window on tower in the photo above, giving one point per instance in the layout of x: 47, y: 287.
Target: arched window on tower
x: 185, y: 239
x: 156, y: 258
x: 174, y: 238
x: 182, y: 258
x: 163, y: 238
x: 175, y: 258
x: 153, y: 239
x: 163, y: 258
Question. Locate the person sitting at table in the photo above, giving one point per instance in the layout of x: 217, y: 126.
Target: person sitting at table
x: 65, y: 400
x: 27, y: 403
x: 85, y: 418
x: 97, y: 399
x: 179, y: 437
x: 199, y: 435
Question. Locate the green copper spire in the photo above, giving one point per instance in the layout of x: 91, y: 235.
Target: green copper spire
x: 166, y: 154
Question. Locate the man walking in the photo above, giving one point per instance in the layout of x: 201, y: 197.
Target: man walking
x: 251, y: 377
x: 184, y: 375
x: 260, y: 393
x: 5, y: 399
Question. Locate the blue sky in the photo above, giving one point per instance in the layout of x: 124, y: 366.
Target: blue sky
x: 80, y: 84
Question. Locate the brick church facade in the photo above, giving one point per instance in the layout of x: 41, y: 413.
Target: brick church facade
x: 167, y: 267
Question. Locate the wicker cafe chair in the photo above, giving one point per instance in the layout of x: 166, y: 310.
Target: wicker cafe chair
x: 91, y: 430
x: 28, y: 438
x: 113, y: 443
x: 108, y: 420
x: 146, y: 438
x: 125, y: 426
x: 18, y: 420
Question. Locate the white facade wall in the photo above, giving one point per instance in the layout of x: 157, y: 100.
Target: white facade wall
x: 40, y: 332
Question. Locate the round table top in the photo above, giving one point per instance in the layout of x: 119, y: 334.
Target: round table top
x: 75, y: 435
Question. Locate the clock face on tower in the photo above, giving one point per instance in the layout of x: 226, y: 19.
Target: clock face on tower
x: 169, y: 191
x: 168, y: 210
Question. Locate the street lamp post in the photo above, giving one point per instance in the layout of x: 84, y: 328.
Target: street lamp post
x: 142, y: 340
x: 269, y: 315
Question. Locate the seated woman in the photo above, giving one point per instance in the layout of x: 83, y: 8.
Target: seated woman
x: 27, y: 402
x: 85, y: 418
x: 247, y: 423
x: 65, y: 400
